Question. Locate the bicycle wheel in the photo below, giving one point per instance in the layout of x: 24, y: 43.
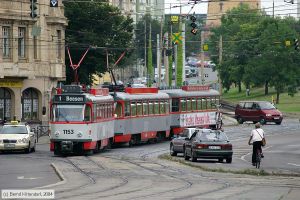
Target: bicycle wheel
x: 258, y: 159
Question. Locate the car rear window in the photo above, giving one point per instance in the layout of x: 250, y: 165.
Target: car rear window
x: 13, y: 130
x: 212, y: 136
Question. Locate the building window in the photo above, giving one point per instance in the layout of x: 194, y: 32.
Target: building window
x: 30, y: 104
x: 121, y: 4
x: 221, y: 6
x: 35, y: 56
x: 58, y: 44
x: 6, y: 41
x: 5, y: 104
x: 21, y: 42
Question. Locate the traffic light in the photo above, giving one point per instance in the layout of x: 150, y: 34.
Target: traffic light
x: 193, y: 25
x: 296, y: 44
x: 33, y: 8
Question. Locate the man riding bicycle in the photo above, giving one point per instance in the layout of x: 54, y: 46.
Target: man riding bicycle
x: 256, y: 137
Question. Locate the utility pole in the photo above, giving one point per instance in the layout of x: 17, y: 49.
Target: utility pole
x: 166, y: 59
x: 158, y: 61
x: 202, y: 59
x: 220, y: 62
x: 183, y: 50
x: 175, y: 56
x: 273, y: 10
x: 159, y: 46
x: 145, y: 51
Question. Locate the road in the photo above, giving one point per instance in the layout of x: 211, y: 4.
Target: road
x: 137, y: 173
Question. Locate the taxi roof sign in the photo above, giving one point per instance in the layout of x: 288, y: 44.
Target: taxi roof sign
x: 14, y: 122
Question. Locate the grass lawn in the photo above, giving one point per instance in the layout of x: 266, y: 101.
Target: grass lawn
x: 286, y: 104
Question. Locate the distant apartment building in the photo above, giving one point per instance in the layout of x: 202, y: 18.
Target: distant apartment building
x: 32, y: 57
x: 136, y: 9
x: 216, y: 9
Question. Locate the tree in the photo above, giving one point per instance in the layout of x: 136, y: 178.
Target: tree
x: 141, y: 32
x: 237, y: 29
x: 101, y: 26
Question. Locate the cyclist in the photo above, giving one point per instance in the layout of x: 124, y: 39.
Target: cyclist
x: 256, y: 137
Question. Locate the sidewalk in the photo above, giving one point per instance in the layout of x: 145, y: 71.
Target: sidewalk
x: 45, y: 139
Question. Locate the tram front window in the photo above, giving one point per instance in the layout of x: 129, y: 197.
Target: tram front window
x: 67, y: 113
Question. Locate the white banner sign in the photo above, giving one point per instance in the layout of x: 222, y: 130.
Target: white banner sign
x: 197, y: 119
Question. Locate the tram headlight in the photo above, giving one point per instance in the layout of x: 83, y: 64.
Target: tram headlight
x: 56, y: 133
x: 79, y: 134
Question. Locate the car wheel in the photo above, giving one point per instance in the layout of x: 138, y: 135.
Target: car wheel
x: 220, y: 160
x: 278, y: 123
x: 194, y: 158
x: 172, y: 152
x: 229, y: 160
x: 186, y: 157
x: 28, y: 149
x: 262, y: 121
x: 240, y: 120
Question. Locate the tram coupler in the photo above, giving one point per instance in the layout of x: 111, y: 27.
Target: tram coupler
x: 66, y: 146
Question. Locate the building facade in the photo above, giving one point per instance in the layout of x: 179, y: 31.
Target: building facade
x: 216, y: 9
x: 32, y: 58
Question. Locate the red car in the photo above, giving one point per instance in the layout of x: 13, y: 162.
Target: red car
x: 257, y: 111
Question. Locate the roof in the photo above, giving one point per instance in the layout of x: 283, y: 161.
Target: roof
x: 126, y: 96
x: 183, y: 93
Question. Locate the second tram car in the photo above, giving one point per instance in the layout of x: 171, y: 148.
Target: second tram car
x: 142, y: 115
x: 81, y: 122
x: 194, y: 106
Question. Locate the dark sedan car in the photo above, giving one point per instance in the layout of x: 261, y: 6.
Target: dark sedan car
x: 207, y: 143
x: 177, y: 143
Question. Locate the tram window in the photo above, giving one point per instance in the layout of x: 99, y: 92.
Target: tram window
x: 204, y: 104
x: 208, y: 103
x: 194, y: 104
x: 189, y: 104
x: 199, y: 104
x: 213, y: 102
x: 151, y: 108
x: 108, y: 110
x: 217, y: 101
x: 127, y: 109
x: 139, y: 109
x: 162, y: 107
x: 87, y: 113
x: 133, y: 109
x: 183, y: 105
x: 156, y: 108
x: 167, y: 107
x: 175, y: 105
x: 118, y: 110
x: 145, y: 108
x: 94, y: 112
x: 66, y: 113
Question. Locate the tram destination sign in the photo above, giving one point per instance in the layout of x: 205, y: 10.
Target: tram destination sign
x: 69, y: 98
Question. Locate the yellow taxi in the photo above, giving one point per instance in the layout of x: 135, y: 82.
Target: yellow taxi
x: 15, y: 136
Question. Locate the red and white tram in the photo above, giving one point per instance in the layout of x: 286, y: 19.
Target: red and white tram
x: 81, y: 122
x: 193, y: 106
x: 142, y: 114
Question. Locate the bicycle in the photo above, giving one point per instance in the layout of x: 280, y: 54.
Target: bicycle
x: 258, y: 159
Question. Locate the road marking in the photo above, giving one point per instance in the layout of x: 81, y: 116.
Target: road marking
x: 30, y: 178
x: 297, y: 165
x: 243, y: 157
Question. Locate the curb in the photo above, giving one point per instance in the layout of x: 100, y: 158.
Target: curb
x: 234, y: 122
x: 63, y: 180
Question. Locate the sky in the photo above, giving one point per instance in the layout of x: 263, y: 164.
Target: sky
x: 281, y: 8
